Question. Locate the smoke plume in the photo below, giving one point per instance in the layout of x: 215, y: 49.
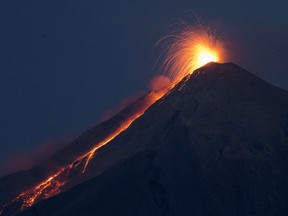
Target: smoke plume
x: 159, y: 82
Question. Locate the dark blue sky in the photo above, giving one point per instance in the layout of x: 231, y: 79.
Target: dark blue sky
x: 65, y: 62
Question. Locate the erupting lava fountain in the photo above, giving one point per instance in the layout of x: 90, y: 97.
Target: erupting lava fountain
x: 188, y: 50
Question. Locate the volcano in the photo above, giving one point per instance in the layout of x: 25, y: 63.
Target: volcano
x: 214, y: 144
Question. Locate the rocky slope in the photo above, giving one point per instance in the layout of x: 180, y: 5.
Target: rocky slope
x: 216, y: 144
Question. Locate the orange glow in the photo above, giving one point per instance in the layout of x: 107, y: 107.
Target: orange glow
x: 153, y: 97
x: 206, y: 56
x: 189, y: 50
x: 45, y: 189
x: 53, y: 184
x: 119, y: 130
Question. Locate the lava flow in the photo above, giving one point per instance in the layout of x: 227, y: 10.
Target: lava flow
x: 188, y: 51
x: 52, y: 184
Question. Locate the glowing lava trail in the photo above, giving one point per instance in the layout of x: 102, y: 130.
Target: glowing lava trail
x: 186, y: 52
x: 52, y: 184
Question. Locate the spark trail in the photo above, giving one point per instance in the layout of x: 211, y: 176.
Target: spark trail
x: 188, y: 50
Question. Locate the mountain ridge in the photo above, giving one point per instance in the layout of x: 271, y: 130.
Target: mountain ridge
x: 222, y: 123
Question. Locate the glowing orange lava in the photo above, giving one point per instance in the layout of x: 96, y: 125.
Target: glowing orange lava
x: 206, y: 56
x: 188, y: 50
x: 119, y: 130
x: 44, y: 190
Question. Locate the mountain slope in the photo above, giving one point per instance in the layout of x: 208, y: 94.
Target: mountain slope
x: 216, y: 144
x: 68, y: 167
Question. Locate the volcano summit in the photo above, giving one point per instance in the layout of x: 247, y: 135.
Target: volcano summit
x: 215, y: 144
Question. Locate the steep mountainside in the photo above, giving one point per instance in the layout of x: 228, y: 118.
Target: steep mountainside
x: 215, y: 144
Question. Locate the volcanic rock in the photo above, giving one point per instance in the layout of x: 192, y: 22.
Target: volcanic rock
x: 215, y: 145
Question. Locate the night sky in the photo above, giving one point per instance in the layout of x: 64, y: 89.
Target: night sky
x: 65, y: 62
